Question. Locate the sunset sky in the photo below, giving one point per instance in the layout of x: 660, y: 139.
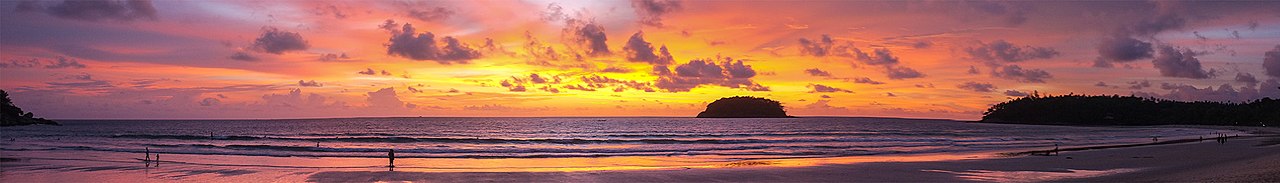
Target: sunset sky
x: 921, y: 59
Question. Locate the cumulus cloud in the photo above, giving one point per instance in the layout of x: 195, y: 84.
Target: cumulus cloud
x: 825, y: 46
x: 819, y: 88
x: 866, y: 80
x: 1015, y: 93
x: 1223, y: 93
x: 1271, y: 62
x: 385, y: 98
x: 1179, y: 63
x: 294, y: 99
x: 639, y: 50
x: 210, y: 102
x: 406, y: 42
x: 651, y: 11
x: 59, y: 63
x: 430, y: 14
x: 276, y: 41
x: 899, y: 72
x: 333, y: 57
x: 1156, y: 24
x: 1247, y: 78
x: 588, y: 35
x: 243, y: 56
x: 977, y: 87
x: 1015, y: 72
x: 881, y: 56
x: 368, y: 71
x: 311, y: 83
x: 1120, y: 49
x: 1013, y: 15
x: 728, y: 73
x: 95, y: 10
x: 1003, y: 51
x: 817, y: 72
x: 1136, y: 85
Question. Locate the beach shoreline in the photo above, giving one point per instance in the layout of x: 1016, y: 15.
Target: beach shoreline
x: 1242, y: 158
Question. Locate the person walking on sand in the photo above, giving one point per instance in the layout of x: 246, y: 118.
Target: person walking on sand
x: 1055, y: 149
x: 391, y: 158
x: 147, y: 150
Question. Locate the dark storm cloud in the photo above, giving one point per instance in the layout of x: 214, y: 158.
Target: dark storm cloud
x: 431, y: 14
x: 311, y: 83
x: 819, y: 88
x: 817, y: 72
x: 1015, y: 72
x: 1003, y: 51
x: 639, y: 50
x: 651, y: 11
x: 95, y: 10
x: 1183, y: 64
x: 977, y: 87
x: 1271, y: 62
x: 1121, y: 49
x: 276, y: 41
x: 588, y: 35
x: 728, y: 73
x: 423, y: 46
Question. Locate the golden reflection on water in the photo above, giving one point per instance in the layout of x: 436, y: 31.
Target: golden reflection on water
x: 645, y: 162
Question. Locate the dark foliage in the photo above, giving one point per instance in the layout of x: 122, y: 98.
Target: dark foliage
x: 744, y: 107
x: 11, y: 115
x: 1130, y: 110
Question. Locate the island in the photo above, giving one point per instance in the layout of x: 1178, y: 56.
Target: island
x: 11, y: 115
x: 744, y: 107
x: 1117, y: 110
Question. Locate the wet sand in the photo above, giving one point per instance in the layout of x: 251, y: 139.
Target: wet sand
x: 1241, y: 159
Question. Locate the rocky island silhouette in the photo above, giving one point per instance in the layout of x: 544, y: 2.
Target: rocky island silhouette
x: 744, y: 107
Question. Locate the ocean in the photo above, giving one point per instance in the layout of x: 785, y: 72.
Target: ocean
x: 562, y: 137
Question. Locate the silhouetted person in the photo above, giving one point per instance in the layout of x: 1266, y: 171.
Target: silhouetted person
x: 391, y: 158
x: 147, y: 150
x: 1055, y: 149
x: 157, y: 159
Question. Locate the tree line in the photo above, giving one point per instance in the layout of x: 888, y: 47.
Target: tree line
x: 1075, y: 109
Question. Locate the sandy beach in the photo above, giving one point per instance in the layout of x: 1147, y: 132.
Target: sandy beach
x: 1247, y: 158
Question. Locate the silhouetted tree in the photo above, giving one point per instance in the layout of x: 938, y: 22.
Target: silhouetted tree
x: 11, y: 115
x: 1074, y: 109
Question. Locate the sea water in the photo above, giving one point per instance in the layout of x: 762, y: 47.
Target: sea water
x: 562, y: 137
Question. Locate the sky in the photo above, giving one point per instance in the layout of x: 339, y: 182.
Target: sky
x: 244, y: 59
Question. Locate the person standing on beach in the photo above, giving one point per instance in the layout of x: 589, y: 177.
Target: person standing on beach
x: 391, y: 158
